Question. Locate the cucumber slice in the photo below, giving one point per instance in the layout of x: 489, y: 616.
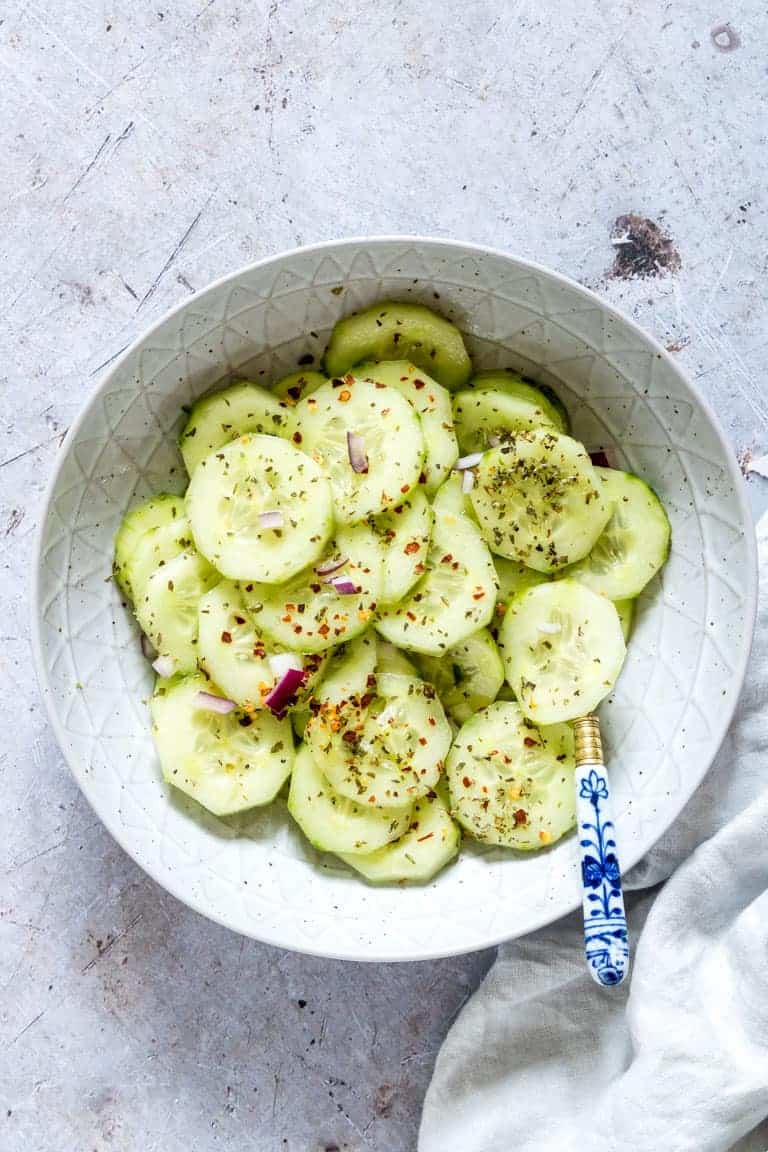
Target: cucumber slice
x: 484, y: 416
x: 390, y: 435
x: 235, y: 654
x: 233, y: 488
x: 299, y: 720
x: 511, y: 782
x: 456, y: 595
x: 149, y: 536
x: 333, y: 823
x: 392, y: 331
x: 391, y: 659
x: 227, y: 763
x: 626, y: 611
x: 224, y: 416
x: 512, y: 578
x: 292, y: 388
x: 634, y: 544
x: 563, y: 650
x: 349, y: 672
x: 167, y: 612
x: 404, y: 533
x: 430, y: 843
x: 307, y: 614
x: 386, y: 746
x: 538, y: 500
x: 508, y: 380
x: 433, y: 404
x: 468, y: 677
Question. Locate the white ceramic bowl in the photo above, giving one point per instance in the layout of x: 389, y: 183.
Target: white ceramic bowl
x: 686, y: 660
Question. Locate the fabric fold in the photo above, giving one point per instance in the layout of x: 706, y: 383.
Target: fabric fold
x: 542, y: 1060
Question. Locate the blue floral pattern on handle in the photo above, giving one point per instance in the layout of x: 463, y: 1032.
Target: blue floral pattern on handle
x: 606, y: 942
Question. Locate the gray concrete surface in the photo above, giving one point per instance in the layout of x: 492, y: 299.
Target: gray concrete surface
x: 149, y: 147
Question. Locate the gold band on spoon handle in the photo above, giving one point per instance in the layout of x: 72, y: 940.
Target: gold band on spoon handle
x: 606, y: 943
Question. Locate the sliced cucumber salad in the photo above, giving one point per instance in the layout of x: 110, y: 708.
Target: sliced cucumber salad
x: 396, y: 582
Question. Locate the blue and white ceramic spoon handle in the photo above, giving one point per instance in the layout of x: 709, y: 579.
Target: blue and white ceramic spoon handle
x: 606, y: 943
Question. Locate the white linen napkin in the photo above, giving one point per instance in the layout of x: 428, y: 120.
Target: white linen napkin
x: 543, y: 1060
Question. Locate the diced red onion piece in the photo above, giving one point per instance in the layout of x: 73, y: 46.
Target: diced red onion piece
x: 467, y: 480
x: 329, y: 566
x: 211, y: 703
x: 164, y: 666
x: 600, y: 459
x: 356, y: 452
x: 282, y: 662
x: 343, y: 585
x: 470, y: 461
x: 148, y: 650
x: 271, y: 519
x: 283, y: 693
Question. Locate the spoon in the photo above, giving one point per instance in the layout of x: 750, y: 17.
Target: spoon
x: 606, y: 944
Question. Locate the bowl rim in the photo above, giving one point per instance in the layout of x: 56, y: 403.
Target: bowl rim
x: 550, y: 912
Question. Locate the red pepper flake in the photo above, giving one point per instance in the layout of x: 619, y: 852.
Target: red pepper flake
x: 467, y: 782
x: 478, y: 595
x: 431, y: 721
x: 419, y: 384
x: 380, y: 385
x: 421, y: 839
x: 240, y: 619
x: 422, y: 477
x: 345, y: 395
x: 411, y: 615
x: 350, y: 737
x: 530, y: 742
x: 226, y: 637
x: 405, y: 488
x: 520, y: 817
x: 419, y: 569
x: 297, y: 437
x: 411, y: 547
x: 371, y: 799
x: 447, y: 558
x: 422, y: 740
x: 323, y: 630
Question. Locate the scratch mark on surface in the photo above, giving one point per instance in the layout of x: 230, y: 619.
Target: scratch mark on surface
x: 322, y: 1032
x: 127, y: 287
x: 15, y: 518
x: 26, y: 1028
x: 356, y: 1019
x: 275, y: 1093
x: 126, y: 132
x: 590, y: 85
x: 28, y: 451
x: 114, y: 355
x: 203, y: 11
x: 110, y: 91
x: 89, y: 166
x: 720, y: 277
x: 111, y: 943
x: 153, y: 286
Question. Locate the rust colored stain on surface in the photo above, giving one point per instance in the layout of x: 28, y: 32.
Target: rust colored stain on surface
x: 642, y: 249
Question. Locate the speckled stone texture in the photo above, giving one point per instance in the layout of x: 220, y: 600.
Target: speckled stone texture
x: 145, y: 151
